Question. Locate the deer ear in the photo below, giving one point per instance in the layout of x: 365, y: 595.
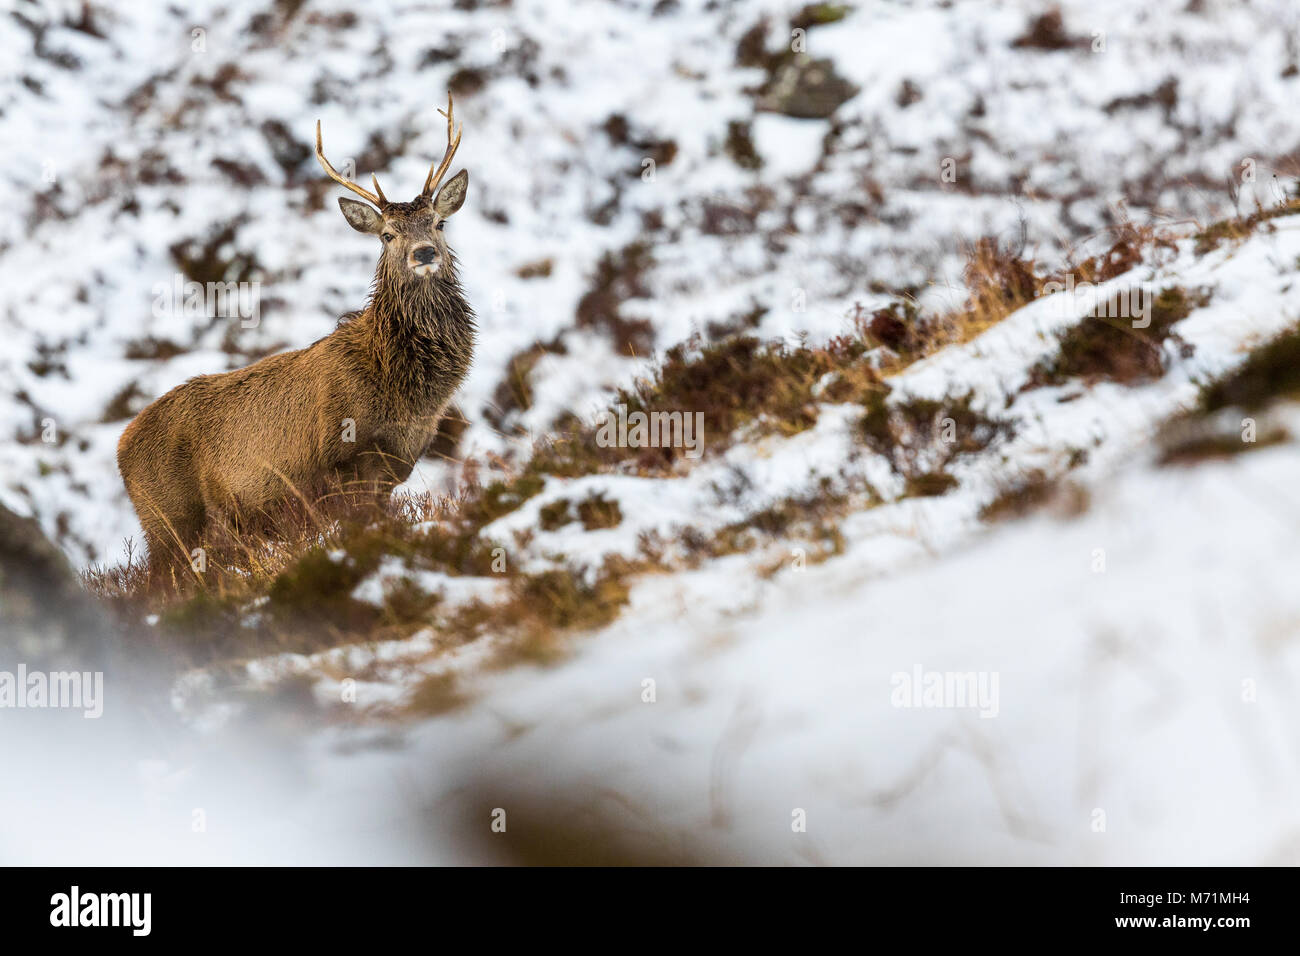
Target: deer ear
x: 452, y: 195
x: 361, y: 217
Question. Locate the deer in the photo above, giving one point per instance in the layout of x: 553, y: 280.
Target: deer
x: 356, y: 409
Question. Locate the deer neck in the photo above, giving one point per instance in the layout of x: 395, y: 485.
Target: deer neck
x: 421, y: 335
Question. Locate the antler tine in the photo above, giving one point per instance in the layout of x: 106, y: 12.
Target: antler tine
x: 376, y: 198
x: 437, y: 171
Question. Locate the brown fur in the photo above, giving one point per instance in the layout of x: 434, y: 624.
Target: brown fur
x: 233, y: 445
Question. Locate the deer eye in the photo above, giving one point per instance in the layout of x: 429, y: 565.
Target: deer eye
x: 387, y: 237
x: 442, y: 225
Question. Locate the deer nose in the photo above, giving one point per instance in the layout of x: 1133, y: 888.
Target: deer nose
x: 424, y: 255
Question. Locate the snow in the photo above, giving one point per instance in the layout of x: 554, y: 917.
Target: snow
x: 79, y: 282
x: 1141, y: 653
x: 1138, y: 656
x: 1156, y: 691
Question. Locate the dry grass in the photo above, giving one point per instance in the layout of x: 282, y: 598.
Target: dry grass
x: 1214, y: 445
x: 1034, y: 491
x: 1234, y: 415
x: 1000, y: 281
x: 811, y: 517
x: 1110, y: 348
x: 595, y: 512
x: 1242, y: 227
x: 1271, y: 372
x: 435, y: 694
x: 741, y: 381
x: 1047, y: 31
x: 922, y: 437
x: 619, y: 277
x: 514, y: 393
x: 535, y: 622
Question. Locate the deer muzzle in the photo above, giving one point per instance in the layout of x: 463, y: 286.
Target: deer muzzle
x: 424, y: 260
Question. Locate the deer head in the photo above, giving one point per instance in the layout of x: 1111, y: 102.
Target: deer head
x: 411, y: 232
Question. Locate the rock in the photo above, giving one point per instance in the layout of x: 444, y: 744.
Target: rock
x: 805, y: 88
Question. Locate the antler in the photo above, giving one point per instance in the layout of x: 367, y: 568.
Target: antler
x: 436, y: 172
x: 376, y: 198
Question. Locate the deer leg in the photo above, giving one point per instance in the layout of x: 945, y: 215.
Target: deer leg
x: 370, y: 477
x: 379, y: 471
x: 171, y: 538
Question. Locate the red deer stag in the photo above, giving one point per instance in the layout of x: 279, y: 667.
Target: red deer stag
x: 358, y: 407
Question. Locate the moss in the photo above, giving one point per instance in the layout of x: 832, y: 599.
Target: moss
x: 875, y: 427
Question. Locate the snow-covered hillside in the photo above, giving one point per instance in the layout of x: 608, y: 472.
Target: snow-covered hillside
x: 148, y: 142
x: 968, y: 568
x: 1128, y: 646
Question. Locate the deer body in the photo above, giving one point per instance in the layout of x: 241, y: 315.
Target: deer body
x: 356, y: 408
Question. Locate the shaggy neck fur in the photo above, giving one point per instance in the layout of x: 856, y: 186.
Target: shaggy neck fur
x: 420, y: 332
